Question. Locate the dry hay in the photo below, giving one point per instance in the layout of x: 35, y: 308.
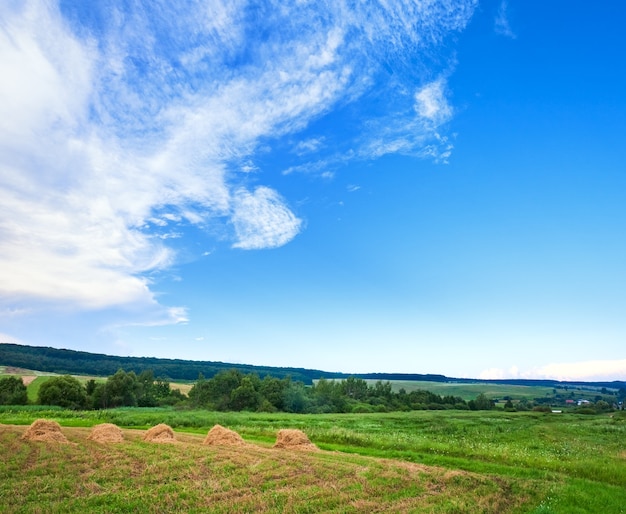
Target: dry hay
x: 160, y: 434
x: 220, y: 436
x: 46, y: 431
x: 106, y: 433
x: 292, y: 439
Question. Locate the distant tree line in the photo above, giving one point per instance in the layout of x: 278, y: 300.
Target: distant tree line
x: 64, y: 361
x: 70, y: 362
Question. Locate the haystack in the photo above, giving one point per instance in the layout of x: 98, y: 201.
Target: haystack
x: 220, y: 436
x: 45, y: 430
x: 292, y: 439
x: 160, y: 434
x: 106, y: 433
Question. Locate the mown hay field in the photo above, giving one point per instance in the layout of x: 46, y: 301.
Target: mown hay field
x: 138, y: 476
x: 427, y: 461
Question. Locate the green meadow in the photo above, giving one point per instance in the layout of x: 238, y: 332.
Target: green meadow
x: 470, y: 390
x: 422, y: 461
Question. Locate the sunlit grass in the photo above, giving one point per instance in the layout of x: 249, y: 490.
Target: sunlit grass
x: 540, y: 455
x: 136, y: 476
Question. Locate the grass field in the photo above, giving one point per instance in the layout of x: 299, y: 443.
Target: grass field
x: 424, y: 461
x: 135, y: 476
x: 470, y: 390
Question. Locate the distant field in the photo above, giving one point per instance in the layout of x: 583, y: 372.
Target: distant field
x: 470, y: 390
x: 183, y: 388
x: 424, y: 461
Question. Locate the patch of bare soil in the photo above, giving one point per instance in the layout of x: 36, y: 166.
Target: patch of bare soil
x: 220, y: 436
x: 28, y: 379
x: 160, y: 434
x: 106, y: 433
x: 46, y: 431
x: 292, y: 439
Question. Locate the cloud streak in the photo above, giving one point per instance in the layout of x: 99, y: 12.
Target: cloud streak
x: 117, y: 123
x: 502, y: 24
x: 593, y: 370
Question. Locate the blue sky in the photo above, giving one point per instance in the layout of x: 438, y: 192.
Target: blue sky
x: 421, y: 187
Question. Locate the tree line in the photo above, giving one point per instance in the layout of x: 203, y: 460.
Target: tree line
x: 232, y: 390
x: 63, y: 361
x: 229, y: 390
x: 74, y: 362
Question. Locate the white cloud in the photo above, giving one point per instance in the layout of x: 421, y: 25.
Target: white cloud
x: 584, y: 370
x: 113, y: 130
x: 431, y: 102
x: 497, y: 373
x: 309, y: 145
x: 593, y: 370
x: 502, y: 25
x: 262, y: 220
x: 9, y: 339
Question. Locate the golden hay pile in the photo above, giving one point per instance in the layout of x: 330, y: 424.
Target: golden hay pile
x: 160, y: 434
x: 220, y: 436
x: 45, y: 430
x: 292, y: 439
x: 106, y: 433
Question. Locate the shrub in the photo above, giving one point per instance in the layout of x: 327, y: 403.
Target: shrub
x: 12, y: 391
x: 65, y: 391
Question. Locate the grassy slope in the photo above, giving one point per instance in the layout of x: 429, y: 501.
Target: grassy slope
x: 469, y: 391
x: 558, y: 463
x: 135, y: 476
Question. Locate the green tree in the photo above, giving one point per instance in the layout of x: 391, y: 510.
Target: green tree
x: 120, y: 390
x: 295, y: 398
x: 381, y: 390
x: 221, y: 387
x: 481, y: 403
x: 199, y: 393
x: 216, y: 392
x: 64, y: 391
x: 272, y: 390
x: 245, y: 397
x: 329, y: 396
x: 90, y: 386
x: 13, y: 391
x: 355, y: 388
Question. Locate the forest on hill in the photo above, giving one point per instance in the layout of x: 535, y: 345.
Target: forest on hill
x: 63, y: 361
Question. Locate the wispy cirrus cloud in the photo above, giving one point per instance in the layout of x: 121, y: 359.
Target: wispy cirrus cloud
x: 502, y: 24
x: 120, y: 120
